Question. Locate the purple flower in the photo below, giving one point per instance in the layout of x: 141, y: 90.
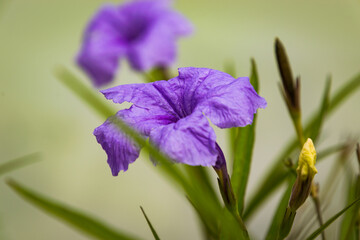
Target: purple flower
x: 173, y: 114
x: 143, y: 31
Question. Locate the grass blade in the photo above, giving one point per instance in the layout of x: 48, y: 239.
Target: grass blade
x: 200, y: 180
x: 348, y: 222
x: 244, y: 144
x: 277, y: 175
x: 210, y: 231
x: 156, y: 236
x: 254, y: 77
x: 337, y: 169
x: 72, y: 217
x: 315, y: 130
x: 331, y: 220
x: 230, y: 229
x: 19, y: 163
x: 274, y: 228
x: 349, y: 225
x: 93, y: 98
x: 278, y: 171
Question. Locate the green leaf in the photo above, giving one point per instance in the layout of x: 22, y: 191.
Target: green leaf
x: 348, y: 222
x: 201, y: 199
x: 277, y: 173
x: 315, y: 129
x: 200, y: 180
x: 243, y: 146
x: 318, y: 231
x: 254, y: 77
x: 344, y: 92
x: 336, y: 171
x: 229, y: 229
x: 93, y: 98
x: 331, y: 150
x: 211, y: 228
x: 72, y: 217
x: 274, y: 228
x: 19, y: 163
x: 156, y: 236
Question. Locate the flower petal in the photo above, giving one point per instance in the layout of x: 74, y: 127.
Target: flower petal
x: 145, y: 31
x: 157, y: 44
x: 157, y: 49
x: 102, y: 47
x: 178, y: 24
x: 145, y: 120
x: 232, y: 105
x: 161, y: 95
x: 121, y: 151
x: 228, y: 102
x: 191, y: 140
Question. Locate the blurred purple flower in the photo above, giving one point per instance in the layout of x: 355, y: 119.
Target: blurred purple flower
x: 173, y: 115
x: 143, y: 31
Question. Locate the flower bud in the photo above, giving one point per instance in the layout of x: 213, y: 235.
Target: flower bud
x: 305, y: 174
x: 290, y: 88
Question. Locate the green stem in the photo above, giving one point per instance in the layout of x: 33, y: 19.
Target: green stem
x: 296, y: 118
x: 228, y: 195
x: 157, y: 74
x: 287, y: 223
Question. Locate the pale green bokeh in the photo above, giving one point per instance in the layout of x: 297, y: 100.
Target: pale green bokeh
x: 37, y: 113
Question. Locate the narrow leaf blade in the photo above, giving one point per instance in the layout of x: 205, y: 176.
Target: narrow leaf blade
x: 244, y: 144
x: 316, y: 128
x: 274, y: 228
x: 254, y: 77
x: 347, y: 224
x: 89, y: 96
x: 279, y: 175
x: 19, y: 163
x: 72, y: 217
x: 318, y: 231
x: 200, y: 180
x: 153, y: 231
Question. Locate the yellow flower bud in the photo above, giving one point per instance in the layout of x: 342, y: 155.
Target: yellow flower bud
x: 307, y: 159
x: 305, y: 174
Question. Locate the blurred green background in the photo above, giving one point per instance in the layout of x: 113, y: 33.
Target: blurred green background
x: 39, y: 114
